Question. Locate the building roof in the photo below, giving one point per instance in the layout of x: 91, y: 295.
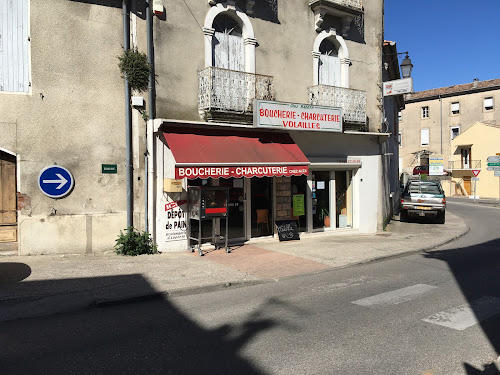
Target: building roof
x: 454, y: 90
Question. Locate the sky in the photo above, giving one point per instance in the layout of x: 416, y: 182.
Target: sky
x: 449, y: 42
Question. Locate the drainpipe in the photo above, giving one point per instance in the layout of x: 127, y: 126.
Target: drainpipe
x: 151, y: 101
x: 441, y: 121
x: 128, y: 121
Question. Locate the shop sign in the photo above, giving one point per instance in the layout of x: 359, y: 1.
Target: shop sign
x: 398, y: 87
x: 292, y: 116
x: 298, y: 205
x: 238, y: 172
x: 436, y: 165
x: 176, y: 224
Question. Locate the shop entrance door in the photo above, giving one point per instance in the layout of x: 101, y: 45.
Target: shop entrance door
x: 321, y: 199
x: 236, y: 210
x: 262, y: 206
x: 8, y: 199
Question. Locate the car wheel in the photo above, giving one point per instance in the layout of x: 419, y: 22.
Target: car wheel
x: 440, y: 218
x: 403, y: 216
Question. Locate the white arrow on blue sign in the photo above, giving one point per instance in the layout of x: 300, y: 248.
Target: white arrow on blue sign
x: 55, y: 181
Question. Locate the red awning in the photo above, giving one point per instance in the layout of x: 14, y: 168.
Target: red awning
x: 218, y: 153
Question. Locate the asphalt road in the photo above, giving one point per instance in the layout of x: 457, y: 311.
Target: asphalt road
x: 430, y: 313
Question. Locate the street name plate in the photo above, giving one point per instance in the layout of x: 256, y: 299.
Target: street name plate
x: 109, y: 168
x: 475, y: 179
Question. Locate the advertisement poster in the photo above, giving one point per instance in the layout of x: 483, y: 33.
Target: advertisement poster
x: 436, y: 165
x: 176, y: 220
x: 298, y: 205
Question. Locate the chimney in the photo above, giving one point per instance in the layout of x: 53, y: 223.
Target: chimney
x: 475, y: 83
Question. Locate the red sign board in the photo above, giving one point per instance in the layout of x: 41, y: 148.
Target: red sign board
x: 475, y: 172
x: 237, y: 172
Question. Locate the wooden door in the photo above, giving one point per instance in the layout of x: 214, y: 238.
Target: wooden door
x: 8, y: 200
x: 467, y: 185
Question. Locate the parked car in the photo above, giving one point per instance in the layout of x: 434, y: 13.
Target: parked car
x: 424, y: 169
x: 421, y: 169
x: 423, y: 198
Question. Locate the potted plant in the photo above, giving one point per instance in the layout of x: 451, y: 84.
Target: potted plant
x: 323, y: 213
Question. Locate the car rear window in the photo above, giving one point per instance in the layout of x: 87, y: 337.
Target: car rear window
x: 423, y: 188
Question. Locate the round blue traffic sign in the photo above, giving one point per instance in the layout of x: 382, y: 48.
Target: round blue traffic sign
x: 55, y: 181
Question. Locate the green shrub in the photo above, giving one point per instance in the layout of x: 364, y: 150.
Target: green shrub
x: 134, y: 65
x: 134, y: 243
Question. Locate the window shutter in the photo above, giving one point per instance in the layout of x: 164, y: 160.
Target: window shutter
x: 14, y: 45
x: 424, y: 137
x: 236, y: 53
x: 221, y: 50
x: 455, y: 107
x: 329, y: 70
x: 488, y: 102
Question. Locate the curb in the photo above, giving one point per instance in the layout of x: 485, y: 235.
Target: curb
x: 68, y: 303
x: 83, y: 300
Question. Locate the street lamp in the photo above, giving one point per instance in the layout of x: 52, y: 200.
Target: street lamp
x: 406, y: 66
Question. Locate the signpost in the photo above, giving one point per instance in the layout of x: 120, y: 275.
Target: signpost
x: 494, y: 165
x: 55, y: 181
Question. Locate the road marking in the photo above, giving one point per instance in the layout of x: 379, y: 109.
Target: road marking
x: 467, y: 315
x: 396, y: 296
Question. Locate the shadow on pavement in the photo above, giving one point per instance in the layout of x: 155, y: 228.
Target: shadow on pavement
x: 473, y: 271
x: 13, y: 272
x: 140, y: 338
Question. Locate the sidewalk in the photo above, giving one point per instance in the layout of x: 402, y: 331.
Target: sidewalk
x: 42, y: 285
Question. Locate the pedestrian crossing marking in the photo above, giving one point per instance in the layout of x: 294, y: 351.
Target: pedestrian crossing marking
x: 467, y: 315
x: 396, y: 296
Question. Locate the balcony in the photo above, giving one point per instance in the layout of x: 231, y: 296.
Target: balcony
x: 227, y: 95
x: 345, y: 10
x: 458, y: 164
x: 350, y: 6
x: 352, y: 102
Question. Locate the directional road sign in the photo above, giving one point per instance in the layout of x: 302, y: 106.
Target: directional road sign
x: 493, y: 159
x: 493, y: 168
x: 493, y: 164
x: 55, y: 181
x: 497, y: 173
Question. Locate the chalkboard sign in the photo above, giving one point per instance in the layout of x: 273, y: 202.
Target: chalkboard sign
x: 287, y: 230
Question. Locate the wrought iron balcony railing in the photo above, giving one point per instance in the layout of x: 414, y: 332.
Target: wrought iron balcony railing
x: 223, y: 91
x: 458, y: 164
x: 352, y: 102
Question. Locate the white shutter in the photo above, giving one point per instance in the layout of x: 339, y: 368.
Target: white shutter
x: 329, y: 70
x: 228, y: 52
x: 488, y: 102
x: 236, y: 53
x: 14, y: 64
x: 455, y: 107
x: 424, y: 137
x: 221, y: 50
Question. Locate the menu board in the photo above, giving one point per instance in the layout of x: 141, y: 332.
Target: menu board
x: 287, y: 230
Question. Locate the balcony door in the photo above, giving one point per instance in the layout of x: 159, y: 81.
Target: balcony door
x: 329, y: 65
x: 466, y: 162
x: 227, y: 44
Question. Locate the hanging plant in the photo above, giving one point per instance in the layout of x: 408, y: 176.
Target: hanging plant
x: 135, y: 67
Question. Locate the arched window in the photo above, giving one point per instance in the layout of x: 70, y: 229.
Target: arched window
x: 229, y: 39
x: 227, y: 43
x: 329, y: 64
x: 330, y: 60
